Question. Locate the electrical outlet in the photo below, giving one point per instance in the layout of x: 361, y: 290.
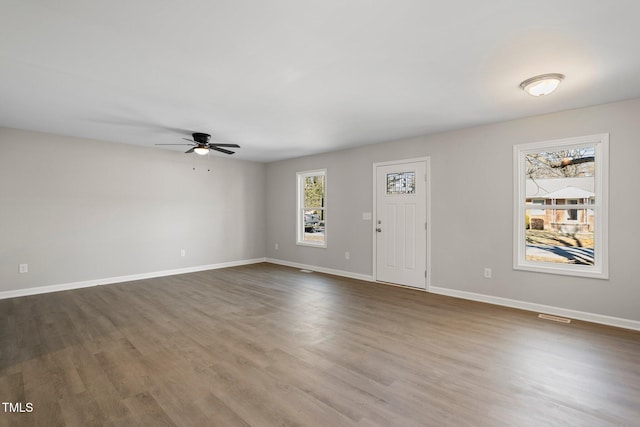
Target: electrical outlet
x: 487, y: 273
x: 347, y: 255
x: 24, y: 268
x: 183, y: 252
x: 276, y: 246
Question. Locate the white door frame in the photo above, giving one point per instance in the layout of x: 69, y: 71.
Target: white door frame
x: 427, y: 161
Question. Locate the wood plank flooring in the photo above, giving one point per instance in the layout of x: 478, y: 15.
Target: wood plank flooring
x: 265, y: 345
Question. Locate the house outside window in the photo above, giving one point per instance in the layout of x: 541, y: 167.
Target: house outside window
x: 561, y: 206
x: 311, y: 208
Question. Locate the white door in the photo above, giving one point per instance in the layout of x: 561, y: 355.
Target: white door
x: 401, y: 223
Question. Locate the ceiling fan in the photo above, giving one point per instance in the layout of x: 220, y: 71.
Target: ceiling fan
x: 201, y: 145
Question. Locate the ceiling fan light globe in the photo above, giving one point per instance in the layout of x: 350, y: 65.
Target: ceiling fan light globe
x: 201, y: 150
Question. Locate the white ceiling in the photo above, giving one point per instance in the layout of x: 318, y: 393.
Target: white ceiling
x: 285, y: 78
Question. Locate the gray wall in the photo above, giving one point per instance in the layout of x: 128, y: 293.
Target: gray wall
x: 77, y: 210
x: 471, y: 183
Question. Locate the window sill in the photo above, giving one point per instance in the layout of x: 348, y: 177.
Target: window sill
x: 312, y: 245
x: 563, y: 269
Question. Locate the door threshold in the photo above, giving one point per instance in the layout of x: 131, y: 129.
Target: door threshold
x: 398, y: 285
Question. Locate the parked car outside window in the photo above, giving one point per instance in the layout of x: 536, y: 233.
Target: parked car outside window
x: 311, y: 222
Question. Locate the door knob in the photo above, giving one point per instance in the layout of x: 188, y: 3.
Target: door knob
x: 378, y: 229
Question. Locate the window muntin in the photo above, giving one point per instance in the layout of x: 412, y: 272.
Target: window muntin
x: 560, y: 207
x: 311, y: 208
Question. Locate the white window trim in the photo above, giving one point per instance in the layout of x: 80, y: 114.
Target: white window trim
x: 300, y: 176
x: 600, y: 269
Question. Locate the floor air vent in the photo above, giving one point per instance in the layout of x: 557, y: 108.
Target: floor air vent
x: 554, y: 318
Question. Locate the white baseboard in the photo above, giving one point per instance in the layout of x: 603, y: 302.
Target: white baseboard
x: 121, y: 279
x: 365, y: 277
x: 540, y: 308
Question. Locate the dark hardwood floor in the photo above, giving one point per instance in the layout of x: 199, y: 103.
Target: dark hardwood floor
x: 265, y: 345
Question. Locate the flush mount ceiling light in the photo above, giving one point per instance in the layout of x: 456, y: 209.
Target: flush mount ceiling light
x: 201, y: 150
x: 543, y: 84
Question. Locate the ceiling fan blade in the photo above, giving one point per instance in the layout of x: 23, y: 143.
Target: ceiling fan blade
x: 172, y: 144
x: 214, y: 144
x: 222, y: 150
x: 190, y: 150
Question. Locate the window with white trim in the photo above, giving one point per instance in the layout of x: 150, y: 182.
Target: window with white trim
x: 312, y: 208
x: 561, y: 206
